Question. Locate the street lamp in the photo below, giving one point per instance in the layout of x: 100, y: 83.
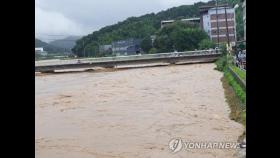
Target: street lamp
x: 84, y: 48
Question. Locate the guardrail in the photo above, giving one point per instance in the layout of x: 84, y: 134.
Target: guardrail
x: 240, y: 81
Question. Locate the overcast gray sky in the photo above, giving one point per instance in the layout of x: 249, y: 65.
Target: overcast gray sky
x: 54, y: 18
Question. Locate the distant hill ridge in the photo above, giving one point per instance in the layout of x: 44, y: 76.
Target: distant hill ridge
x: 66, y: 43
x: 58, y: 46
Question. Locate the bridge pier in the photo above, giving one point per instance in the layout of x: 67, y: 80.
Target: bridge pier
x: 47, y: 71
x: 172, y: 62
x: 109, y: 66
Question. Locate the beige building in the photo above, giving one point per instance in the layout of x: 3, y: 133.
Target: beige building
x: 218, y: 23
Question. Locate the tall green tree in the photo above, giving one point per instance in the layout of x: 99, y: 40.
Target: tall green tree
x: 206, y: 44
x: 146, y: 44
x: 179, y: 36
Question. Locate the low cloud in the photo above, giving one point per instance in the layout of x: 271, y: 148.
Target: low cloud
x: 85, y: 16
x: 51, y: 24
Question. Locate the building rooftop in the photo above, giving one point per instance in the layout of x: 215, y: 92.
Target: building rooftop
x: 190, y: 19
x: 207, y: 7
x: 167, y: 21
x: 221, y: 8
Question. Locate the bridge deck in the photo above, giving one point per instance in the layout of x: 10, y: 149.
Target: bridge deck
x: 207, y: 56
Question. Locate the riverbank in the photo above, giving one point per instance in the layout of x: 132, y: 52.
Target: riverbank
x: 235, y: 93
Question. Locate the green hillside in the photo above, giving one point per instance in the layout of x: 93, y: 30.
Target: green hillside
x: 140, y: 27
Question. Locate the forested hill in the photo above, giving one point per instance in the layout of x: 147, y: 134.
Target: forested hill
x: 47, y: 47
x: 39, y: 43
x: 135, y: 27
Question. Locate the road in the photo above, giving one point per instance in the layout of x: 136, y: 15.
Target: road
x: 132, y: 113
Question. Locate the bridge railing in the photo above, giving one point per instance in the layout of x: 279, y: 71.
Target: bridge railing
x: 130, y: 57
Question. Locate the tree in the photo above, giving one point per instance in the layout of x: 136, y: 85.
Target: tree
x: 92, y: 49
x: 206, y: 44
x: 146, y: 44
x: 179, y: 36
x: 152, y: 51
x: 242, y: 46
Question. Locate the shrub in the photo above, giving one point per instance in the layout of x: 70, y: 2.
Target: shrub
x: 221, y: 63
x: 152, y: 51
x: 206, y: 44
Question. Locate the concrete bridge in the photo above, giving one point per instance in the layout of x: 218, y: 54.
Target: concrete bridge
x: 110, y: 62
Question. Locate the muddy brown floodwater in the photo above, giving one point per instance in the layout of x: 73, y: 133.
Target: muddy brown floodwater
x: 132, y: 113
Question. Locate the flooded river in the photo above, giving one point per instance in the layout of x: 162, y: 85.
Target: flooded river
x: 132, y: 113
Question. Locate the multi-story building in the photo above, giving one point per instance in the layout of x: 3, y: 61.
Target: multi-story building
x: 218, y: 22
x: 40, y: 50
x: 190, y: 20
x: 126, y: 47
x: 106, y: 49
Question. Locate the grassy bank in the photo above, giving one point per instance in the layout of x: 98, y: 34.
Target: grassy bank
x: 240, y: 73
x: 238, y: 108
x: 235, y: 95
x: 241, y: 94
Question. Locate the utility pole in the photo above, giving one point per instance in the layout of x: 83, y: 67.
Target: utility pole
x: 84, y: 48
x: 218, y: 31
x: 227, y: 25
